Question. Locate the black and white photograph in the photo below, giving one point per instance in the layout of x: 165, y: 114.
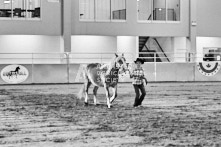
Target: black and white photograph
x: 110, y: 73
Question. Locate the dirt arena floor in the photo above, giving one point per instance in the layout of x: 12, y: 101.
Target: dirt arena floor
x: 173, y: 115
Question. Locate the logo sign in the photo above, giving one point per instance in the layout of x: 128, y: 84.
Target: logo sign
x: 14, y: 74
x: 208, y: 68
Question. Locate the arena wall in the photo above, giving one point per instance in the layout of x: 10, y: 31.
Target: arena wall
x: 72, y: 73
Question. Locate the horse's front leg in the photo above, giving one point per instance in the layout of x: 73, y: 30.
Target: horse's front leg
x: 114, y: 89
x: 107, y: 96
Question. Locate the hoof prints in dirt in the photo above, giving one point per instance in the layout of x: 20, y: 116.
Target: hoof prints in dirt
x: 62, y: 118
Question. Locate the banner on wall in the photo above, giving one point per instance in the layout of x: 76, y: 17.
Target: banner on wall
x: 14, y: 74
x: 209, y: 68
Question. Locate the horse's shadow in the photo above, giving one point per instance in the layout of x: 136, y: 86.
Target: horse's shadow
x: 98, y: 104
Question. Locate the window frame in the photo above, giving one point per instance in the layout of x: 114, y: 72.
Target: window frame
x: 99, y: 20
x: 159, y: 21
x: 25, y: 18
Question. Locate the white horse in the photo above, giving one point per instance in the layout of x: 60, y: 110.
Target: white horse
x: 103, y: 76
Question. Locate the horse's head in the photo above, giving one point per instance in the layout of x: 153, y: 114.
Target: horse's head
x: 17, y: 68
x: 121, y: 62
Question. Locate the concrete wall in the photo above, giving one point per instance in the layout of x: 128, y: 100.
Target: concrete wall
x: 93, y: 44
x: 19, y: 48
x: 174, y: 72
x: 50, y: 73
x: 131, y: 27
x: 180, y: 49
x: 102, y: 48
x: 29, y: 44
x: 52, y: 17
x: 129, y: 46
x: 208, y: 18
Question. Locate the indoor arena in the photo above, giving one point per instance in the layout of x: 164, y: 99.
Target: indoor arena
x: 110, y: 73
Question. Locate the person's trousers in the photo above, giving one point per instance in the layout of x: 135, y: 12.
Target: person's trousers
x: 139, y: 98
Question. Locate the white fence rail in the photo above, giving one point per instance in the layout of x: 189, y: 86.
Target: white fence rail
x: 71, y: 58
x: 67, y: 67
x: 32, y: 58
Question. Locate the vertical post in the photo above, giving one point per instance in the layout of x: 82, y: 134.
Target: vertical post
x: 193, y: 26
x: 68, y: 66
x: 194, y: 71
x: 32, y: 67
x: 66, y: 24
x: 192, y: 57
x: 155, y: 67
x: 110, y: 11
x: 137, y: 48
x: 187, y: 57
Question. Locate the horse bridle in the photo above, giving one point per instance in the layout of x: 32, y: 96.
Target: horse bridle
x: 124, y: 70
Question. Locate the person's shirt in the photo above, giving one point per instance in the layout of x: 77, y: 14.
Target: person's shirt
x: 137, y: 75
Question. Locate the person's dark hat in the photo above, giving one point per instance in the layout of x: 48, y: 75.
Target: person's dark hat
x: 140, y: 60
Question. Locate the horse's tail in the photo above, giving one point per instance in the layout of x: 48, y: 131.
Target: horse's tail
x: 81, y: 93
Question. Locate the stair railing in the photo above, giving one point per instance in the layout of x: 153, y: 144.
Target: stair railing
x: 161, y: 49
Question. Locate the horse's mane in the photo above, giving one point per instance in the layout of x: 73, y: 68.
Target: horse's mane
x: 112, y: 62
x: 109, y: 65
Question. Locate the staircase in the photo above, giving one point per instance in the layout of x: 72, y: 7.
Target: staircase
x: 142, y: 41
x: 148, y: 53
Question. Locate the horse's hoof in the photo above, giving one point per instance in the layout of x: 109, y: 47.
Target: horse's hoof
x: 85, y: 104
x: 109, y: 107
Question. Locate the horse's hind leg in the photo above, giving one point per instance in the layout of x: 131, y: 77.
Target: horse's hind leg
x: 87, y: 86
x: 95, y: 94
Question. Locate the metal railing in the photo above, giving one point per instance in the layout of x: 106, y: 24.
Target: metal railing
x: 97, y: 57
x: 33, y: 58
x: 71, y: 58
x: 170, y: 57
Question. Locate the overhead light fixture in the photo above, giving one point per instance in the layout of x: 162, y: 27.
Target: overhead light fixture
x: 6, y: 1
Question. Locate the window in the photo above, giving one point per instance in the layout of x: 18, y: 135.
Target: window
x: 145, y: 9
x: 20, y: 9
x: 33, y: 9
x: 118, y: 9
x: 102, y: 10
x: 87, y: 9
x: 173, y: 10
x: 5, y: 8
x: 158, y: 10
